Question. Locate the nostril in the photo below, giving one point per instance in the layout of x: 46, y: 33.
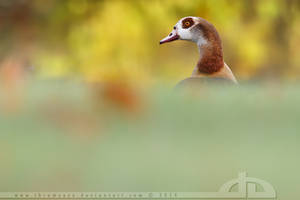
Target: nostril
x: 174, y: 27
x: 170, y: 34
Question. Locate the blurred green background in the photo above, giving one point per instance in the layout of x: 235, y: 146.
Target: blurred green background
x: 86, y: 101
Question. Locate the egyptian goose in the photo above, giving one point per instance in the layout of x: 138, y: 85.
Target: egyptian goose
x: 211, y: 66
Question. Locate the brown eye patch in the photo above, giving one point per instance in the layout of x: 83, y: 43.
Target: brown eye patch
x: 187, y: 23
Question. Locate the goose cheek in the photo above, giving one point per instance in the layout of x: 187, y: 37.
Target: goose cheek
x: 185, y: 35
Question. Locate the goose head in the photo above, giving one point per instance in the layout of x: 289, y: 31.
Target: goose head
x: 205, y: 35
x: 191, y: 29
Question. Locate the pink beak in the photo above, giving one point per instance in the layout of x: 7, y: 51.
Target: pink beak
x: 173, y: 36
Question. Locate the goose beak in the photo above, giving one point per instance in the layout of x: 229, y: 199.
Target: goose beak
x: 173, y: 36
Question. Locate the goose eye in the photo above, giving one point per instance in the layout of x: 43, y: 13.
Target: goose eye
x: 187, y: 23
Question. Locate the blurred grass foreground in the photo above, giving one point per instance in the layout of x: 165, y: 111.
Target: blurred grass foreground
x: 87, y: 100
x: 62, y: 136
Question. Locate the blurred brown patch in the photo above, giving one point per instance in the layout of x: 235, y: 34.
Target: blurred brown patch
x: 119, y: 95
x: 13, y: 80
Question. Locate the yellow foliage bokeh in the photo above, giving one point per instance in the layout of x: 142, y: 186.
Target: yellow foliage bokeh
x: 104, y: 40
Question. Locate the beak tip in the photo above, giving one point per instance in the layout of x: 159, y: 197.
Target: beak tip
x: 169, y: 39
